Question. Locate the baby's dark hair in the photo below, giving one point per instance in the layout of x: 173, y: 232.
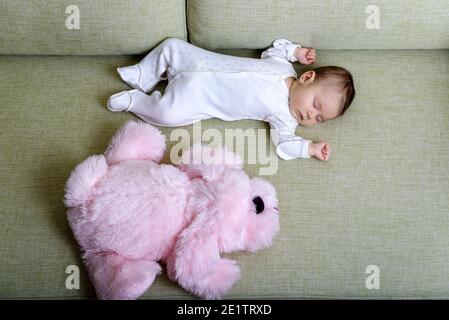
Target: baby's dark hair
x: 344, y: 81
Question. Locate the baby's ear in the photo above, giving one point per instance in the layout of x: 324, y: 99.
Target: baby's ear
x: 208, y: 163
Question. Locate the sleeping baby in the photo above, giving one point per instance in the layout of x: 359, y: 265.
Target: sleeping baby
x: 203, y: 84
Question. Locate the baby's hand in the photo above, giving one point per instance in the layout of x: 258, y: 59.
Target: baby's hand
x: 320, y: 150
x: 305, y: 55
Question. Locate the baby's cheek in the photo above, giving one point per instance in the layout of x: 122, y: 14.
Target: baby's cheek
x: 309, y: 123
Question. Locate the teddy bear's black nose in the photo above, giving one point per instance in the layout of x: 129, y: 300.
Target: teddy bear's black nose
x: 260, y: 206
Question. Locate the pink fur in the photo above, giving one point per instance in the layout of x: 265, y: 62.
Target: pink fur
x: 129, y: 213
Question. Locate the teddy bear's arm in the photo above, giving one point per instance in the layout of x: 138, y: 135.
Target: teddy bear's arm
x: 197, y: 265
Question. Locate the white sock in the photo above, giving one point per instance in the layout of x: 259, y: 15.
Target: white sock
x: 120, y: 101
x: 131, y: 75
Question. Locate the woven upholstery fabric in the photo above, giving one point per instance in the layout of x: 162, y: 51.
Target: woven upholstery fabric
x: 324, y: 24
x: 381, y: 200
x: 106, y: 26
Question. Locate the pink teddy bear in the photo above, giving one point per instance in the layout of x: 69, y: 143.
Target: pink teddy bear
x: 129, y: 213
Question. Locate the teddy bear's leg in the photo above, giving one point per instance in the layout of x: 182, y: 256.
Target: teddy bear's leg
x: 136, y: 141
x: 118, y: 278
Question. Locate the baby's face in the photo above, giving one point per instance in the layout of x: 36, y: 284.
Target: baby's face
x: 311, y: 102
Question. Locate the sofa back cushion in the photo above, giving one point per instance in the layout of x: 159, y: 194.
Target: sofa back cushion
x: 105, y: 26
x: 324, y: 24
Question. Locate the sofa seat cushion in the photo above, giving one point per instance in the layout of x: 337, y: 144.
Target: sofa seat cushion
x: 381, y: 200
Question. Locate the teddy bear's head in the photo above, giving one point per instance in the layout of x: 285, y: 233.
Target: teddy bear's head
x: 244, y: 210
x: 262, y: 221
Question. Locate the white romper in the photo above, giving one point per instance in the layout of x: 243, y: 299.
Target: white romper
x: 203, y: 84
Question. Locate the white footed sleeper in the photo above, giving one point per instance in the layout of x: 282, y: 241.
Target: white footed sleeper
x: 203, y: 84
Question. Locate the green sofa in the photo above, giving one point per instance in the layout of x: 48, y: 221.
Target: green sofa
x: 382, y: 199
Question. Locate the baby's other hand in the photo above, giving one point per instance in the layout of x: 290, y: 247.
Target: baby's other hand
x: 320, y: 150
x: 305, y: 55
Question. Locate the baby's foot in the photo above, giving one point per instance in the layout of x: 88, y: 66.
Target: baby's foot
x: 120, y: 101
x: 131, y: 75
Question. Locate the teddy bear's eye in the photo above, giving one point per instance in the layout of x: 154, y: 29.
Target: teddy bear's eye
x: 258, y: 202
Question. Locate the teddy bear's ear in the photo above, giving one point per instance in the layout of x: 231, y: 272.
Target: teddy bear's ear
x: 136, y: 141
x: 203, y: 161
